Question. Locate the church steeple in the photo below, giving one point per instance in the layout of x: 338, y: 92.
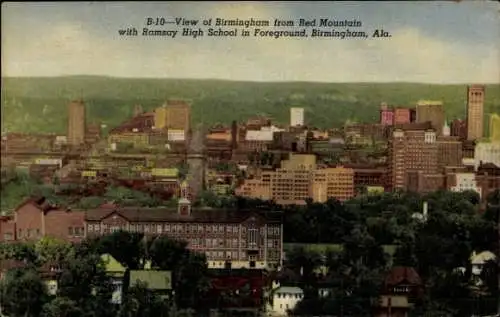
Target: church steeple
x: 184, y: 204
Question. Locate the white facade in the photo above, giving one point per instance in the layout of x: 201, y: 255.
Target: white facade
x: 285, y: 298
x: 264, y: 134
x: 61, y: 139
x: 48, y: 162
x: 466, y: 181
x: 296, y: 117
x: 487, y: 153
x: 176, y: 135
x: 51, y: 287
x: 446, y: 129
x: 116, y: 297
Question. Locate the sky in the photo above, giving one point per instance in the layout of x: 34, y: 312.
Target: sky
x: 431, y: 42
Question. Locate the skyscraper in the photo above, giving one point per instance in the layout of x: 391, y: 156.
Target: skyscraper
x: 76, y: 123
x: 412, y: 148
x: 475, y: 112
x: 433, y: 112
x: 495, y: 127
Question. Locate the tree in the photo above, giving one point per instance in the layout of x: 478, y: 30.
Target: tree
x: 84, y: 281
x: 128, y: 248
x: 52, y: 250
x: 61, y: 307
x: 23, y: 293
x: 18, y: 251
x: 139, y: 301
x: 189, y: 270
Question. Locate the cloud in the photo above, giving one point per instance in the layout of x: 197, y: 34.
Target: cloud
x: 69, y: 48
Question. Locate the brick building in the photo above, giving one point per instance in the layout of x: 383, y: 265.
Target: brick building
x: 369, y: 175
x: 35, y: 218
x: 241, y: 238
x: 459, y: 129
x: 412, y: 149
x: 386, y: 115
x: 404, y: 115
x: 449, y: 151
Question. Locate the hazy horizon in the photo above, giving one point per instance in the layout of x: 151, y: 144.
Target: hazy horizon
x: 440, y: 42
x: 253, y: 81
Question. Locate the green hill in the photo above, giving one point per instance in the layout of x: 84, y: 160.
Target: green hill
x: 40, y: 104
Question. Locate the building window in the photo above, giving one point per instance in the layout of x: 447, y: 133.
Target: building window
x: 8, y: 236
x: 252, y: 237
x: 159, y: 228
x: 200, y: 228
x: 167, y: 228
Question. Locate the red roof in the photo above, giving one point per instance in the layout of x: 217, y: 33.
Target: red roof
x: 400, y: 274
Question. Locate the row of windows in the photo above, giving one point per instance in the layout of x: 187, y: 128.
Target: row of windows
x: 285, y: 295
x: 28, y: 233
x: 179, y: 228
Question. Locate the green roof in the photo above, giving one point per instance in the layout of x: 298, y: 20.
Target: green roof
x: 112, y: 265
x: 155, y: 280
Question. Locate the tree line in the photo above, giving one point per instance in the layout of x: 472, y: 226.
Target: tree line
x: 85, y: 288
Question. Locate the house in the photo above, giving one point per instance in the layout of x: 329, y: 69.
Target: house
x: 478, y: 260
x: 401, y: 287
x: 237, y: 289
x: 116, y: 271
x: 392, y: 306
x: 285, y: 298
x: 49, y: 272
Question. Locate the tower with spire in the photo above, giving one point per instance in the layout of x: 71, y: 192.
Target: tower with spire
x: 184, y: 204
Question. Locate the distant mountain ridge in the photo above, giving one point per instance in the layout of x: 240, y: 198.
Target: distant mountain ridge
x: 39, y: 105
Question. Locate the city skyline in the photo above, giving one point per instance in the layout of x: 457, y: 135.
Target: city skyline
x: 432, y: 42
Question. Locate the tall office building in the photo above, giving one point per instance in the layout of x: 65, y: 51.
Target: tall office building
x: 495, y: 128
x: 76, y: 123
x: 412, y: 148
x: 296, y: 117
x: 431, y: 111
x: 475, y: 112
